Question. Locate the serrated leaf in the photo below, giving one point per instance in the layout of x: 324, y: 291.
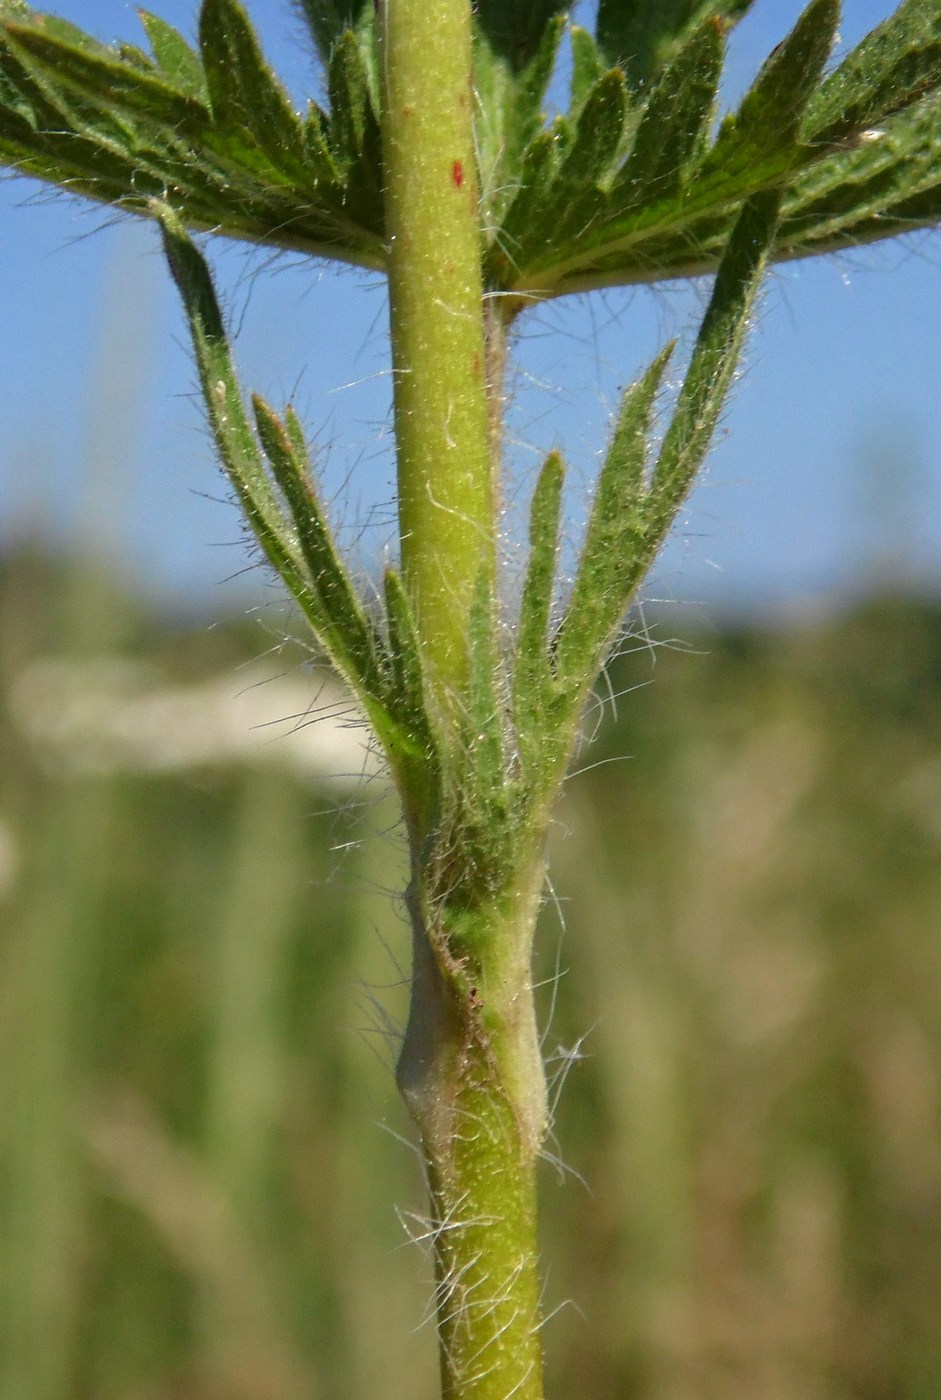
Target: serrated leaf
x: 598, y: 133
x: 645, y: 36
x: 515, y: 29
x: 179, y: 62
x: 350, y: 103
x: 587, y: 66
x: 102, y: 81
x: 244, y: 94
x: 557, y: 209
x: 510, y: 249
x: 769, y: 117
x: 614, y: 552
x: 884, y: 185
x: 894, y: 66
x: 355, y: 137
x: 508, y: 114
x: 413, y: 745
x: 318, y: 153
x: 675, y: 119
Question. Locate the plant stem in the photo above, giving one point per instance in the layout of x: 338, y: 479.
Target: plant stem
x: 472, y: 1076
x: 445, y: 473
x: 470, y: 1069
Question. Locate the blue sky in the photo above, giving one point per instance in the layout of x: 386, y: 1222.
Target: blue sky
x: 832, y: 438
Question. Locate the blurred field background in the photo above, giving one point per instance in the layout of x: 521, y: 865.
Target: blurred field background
x: 205, y: 1194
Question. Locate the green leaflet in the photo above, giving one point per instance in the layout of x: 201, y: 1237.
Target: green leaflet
x: 408, y: 735
x: 756, y: 149
x: 713, y: 363
x: 355, y: 137
x: 769, y: 118
x: 615, y: 549
x: 893, y: 67
x: 598, y: 133
x: 179, y: 63
x: 511, y: 243
x: 675, y: 119
x: 630, y: 516
x: 95, y: 85
x: 76, y: 114
x: 573, y: 199
x: 645, y: 36
x: 587, y: 66
x: 882, y: 186
x: 245, y: 96
x: 532, y: 674
x: 235, y: 441
x: 485, y: 762
x: 341, y: 623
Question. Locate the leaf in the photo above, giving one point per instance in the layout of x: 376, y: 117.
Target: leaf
x: 515, y: 29
x: 587, y: 66
x: 412, y: 745
x: 355, y: 137
x: 675, y: 119
x: 180, y: 64
x: 564, y: 193
x: 887, y: 184
x: 532, y: 676
x: 234, y: 439
x: 342, y: 624
x: 769, y: 118
x: 244, y: 94
x: 648, y: 227
x: 598, y: 133
x: 645, y: 36
x: 894, y: 66
x: 508, y: 114
x: 76, y: 114
x: 713, y: 363
x: 615, y: 546
x: 79, y: 71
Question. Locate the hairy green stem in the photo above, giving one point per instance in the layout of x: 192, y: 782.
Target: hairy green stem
x: 472, y: 1076
x: 446, y: 518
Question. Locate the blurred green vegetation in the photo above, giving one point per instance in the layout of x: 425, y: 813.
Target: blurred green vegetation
x: 204, y: 1194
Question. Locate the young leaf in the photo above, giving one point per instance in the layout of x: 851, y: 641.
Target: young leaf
x: 235, y: 441
x: 180, y: 63
x: 486, y: 763
x: 342, y: 624
x: 615, y: 546
x: 713, y: 363
x: 532, y: 675
x: 409, y: 735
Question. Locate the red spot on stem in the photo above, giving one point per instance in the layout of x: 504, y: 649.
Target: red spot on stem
x: 457, y: 174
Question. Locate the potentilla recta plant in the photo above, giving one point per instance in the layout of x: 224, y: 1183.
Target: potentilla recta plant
x: 435, y: 164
